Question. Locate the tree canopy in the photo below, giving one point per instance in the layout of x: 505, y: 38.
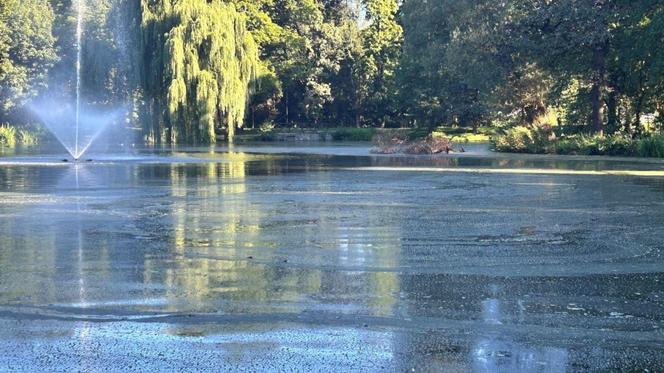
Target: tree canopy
x: 27, y: 51
x: 200, y: 60
x: 191, y: 70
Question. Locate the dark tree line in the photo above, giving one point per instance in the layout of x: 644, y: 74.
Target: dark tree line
x: 596, y: 64
x: 193, y: 69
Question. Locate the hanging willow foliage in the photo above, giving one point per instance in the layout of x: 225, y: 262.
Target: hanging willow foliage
x: 199, y: 63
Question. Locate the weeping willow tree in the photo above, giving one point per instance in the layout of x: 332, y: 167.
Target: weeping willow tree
x: 199, y: 60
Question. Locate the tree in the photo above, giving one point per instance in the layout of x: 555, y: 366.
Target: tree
x: 573, y: 39
x: 26, y: 51
x: 304, y: 47
x: 382, y: 41
x: 636, y: 66
x: 347, y: 80
x: 199, y: 62
x: 450, y: 65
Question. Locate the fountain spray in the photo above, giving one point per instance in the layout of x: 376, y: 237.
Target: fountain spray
x: 80, y: 8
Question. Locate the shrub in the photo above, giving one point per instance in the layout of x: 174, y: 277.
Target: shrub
x: 616, y: 145
x: 266, y: 127
x: 652, y: 146
x: 567, y: 145
x: 7, y: 135
x: 542, y: 140
x: 519, y: 139
x: 352, y: 134
x: 25, y: 137
x: 11, y: 136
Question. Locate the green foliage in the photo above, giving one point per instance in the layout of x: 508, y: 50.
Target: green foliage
x: 652, y: 146
x: 7, y: 135
x: 381, y: 42
x: 595, y: 145
x: 352, y: 134
x: 267, y: 91
x: 310, y: 56
x: 193, y: 69
x: 202, y: 56
x: 458, y: 134
x: 266, y: 127
x: 26, y: 137
x: 598, y: 64
x: 453, y: 61
x: 527, y: 140
x: 26, y: 51
x: 11, y: 136
x: 518, y: 139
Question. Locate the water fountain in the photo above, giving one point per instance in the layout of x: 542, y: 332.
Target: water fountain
x: 74, y: 126
x: 80, y: 9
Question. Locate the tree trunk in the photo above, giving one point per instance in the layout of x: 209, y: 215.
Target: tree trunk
x: 637, y: 118
x: 598, y: 64
x: 639, y: 104
x: 231, y: 129
x: 612, y: 111
x: 287, y: 114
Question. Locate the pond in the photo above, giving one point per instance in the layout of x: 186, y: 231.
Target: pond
x: 325, y: 257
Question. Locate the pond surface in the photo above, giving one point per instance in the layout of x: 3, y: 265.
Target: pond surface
x: 326, y: 258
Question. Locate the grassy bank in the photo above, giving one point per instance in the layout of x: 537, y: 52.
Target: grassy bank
x: 333, y: 134
x: 351, y: 134
x: 11, y: 136
x: 538, y: 141
x: 462, y: 135
x: 457, y: 135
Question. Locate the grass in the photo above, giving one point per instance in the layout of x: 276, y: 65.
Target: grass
x: 464, y: 135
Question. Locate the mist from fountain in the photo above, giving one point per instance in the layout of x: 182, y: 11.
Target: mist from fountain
x: 58, y: 116
x: 75, y: 126
x: 80, y: 9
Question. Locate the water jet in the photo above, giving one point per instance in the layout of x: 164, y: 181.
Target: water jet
x: 74, y: 125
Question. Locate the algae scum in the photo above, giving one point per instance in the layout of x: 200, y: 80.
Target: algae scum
x: 327, y: 258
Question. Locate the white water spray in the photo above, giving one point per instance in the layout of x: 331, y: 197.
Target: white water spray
x: 80, y: 8
x: 74, y: 125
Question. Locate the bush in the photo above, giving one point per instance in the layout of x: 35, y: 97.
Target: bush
x: 352, y: 134
x: 7, y: 135
x: 25, y: 137
x: 522, y: 139
x: 595, y: 145
x: 266, y: 127
x: 652, y: 146
x: 11, y: 136
x: 463, y: 134
x: 525, y: 140
x: 518, y: 139
x: 617, y: 145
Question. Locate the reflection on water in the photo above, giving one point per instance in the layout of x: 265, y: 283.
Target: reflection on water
x: 420, y: 269
x: 202, y: 241
x: 499, y: 354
